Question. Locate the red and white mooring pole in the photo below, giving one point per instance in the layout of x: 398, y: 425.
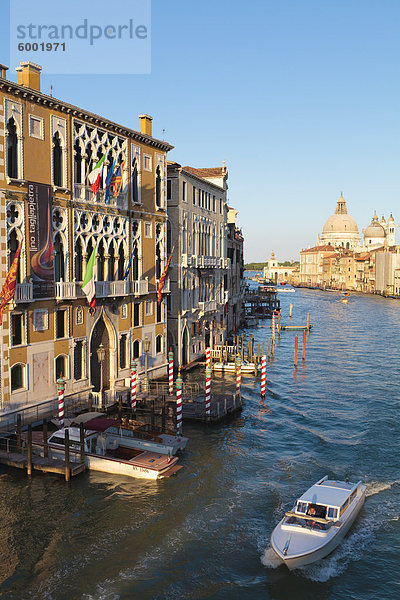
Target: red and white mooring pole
x: 208, y: 390
x: 170, y: 372
x: 238, y: 374
x: 208, y: 357
x: 179, y: 385
x: 61, y: 388
x: 133, y: 386
x: 263, y: 374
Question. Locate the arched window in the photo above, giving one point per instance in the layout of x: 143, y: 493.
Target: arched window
x: 135, y: 181
x: 17, y: 377
x: 158, y: 187
x: 61, y: 366
x: 13, y: 244
x: 78, y: 261
x: 88, y: 162
x: 121, y: 262
x: 158, y: 260
x: 159, y: 344
x: 136, y: 349
x: 78, y: 163
x: 122, y: 351
x: 57, y: 160
x: 111, y: 262
x: 100, y: 261
x: 58, y: 258
x: 12, y: 149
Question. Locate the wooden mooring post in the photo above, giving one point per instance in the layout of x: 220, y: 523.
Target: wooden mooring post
x: 45, y: 442
x: 29, y: 452
x: 82, y: 442
x: 19, y: 427
x: 67, y: 457
x: 295, y: 350
x: 304, y: 345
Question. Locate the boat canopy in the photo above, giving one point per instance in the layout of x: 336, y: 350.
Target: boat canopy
x: 329, y: 493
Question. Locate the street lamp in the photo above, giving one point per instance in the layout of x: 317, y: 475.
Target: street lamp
x: 101, y: 354
x: 146, y: 348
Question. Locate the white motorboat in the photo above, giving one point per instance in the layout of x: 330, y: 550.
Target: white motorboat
x: 230, y: 367
x: 318, y: 522
x: 134, y: 434
x: 107, y: 455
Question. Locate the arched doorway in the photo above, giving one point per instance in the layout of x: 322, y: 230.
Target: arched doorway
x: 99, y: 336
x: 185, y: 345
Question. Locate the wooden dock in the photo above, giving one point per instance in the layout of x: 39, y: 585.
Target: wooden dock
x: 39, y: 463
x: 222, y: 407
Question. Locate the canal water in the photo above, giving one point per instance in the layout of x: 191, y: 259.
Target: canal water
x: 205, y: 533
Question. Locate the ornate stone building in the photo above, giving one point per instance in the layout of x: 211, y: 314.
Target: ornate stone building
x: 197, y: 213
x: 47, y: 149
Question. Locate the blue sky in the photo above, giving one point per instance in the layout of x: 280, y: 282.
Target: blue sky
x: 300, y: 97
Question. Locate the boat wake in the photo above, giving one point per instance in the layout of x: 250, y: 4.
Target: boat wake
x: 270, y: 559
x: 375, y: 487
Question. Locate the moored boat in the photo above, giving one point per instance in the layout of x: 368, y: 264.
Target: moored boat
x: 106, y: 455
x: 230, y: 367
x: 318, y: 522
x: 134, y: 434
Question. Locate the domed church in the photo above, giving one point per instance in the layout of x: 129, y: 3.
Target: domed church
x: 379, y: 233
x: 340, y: 229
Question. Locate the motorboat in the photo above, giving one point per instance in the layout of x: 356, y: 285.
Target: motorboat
x: 105, y: 454
x: 134, y: 434
x: 230, y: 367
x: 318, y: 522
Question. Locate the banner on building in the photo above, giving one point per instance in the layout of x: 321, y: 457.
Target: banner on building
x: 41, y: 250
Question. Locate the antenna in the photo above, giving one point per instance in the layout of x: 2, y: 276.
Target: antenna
x: 163, y: 135
x: 51, y: 90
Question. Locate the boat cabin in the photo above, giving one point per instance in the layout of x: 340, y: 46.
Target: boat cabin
x: 93, y: 441
x: 323, y: 505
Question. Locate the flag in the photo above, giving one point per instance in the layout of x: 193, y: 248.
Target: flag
x: 89, y: 284
x: 8, y: 291
x: 163, y: 278
x: 109, y: 177
x: 128, y: 268
x: 117, y: 179
x: 95, y: 175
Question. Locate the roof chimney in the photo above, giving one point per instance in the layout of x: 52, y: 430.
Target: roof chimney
x: 145, y: 124
x: 29, y: 75
x: 3, y: 71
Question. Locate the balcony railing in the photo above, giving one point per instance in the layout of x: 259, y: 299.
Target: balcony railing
x: 68, y: 290
x: 208, y: 306
x: 85, y: 193
x: 24, y: 292
x: 141, y: 287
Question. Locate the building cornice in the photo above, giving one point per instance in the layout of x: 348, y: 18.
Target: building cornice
x: 32, y: 95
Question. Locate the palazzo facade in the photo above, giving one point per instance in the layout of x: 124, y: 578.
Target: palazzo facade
x: 47, y: 149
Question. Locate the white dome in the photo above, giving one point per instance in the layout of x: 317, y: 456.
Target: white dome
x: 340, y: 222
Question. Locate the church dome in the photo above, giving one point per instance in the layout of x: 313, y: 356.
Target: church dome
x: 340, y: 221
x: 375, y: 229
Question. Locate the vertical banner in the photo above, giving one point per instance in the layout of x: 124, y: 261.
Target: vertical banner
x: 41, y: 251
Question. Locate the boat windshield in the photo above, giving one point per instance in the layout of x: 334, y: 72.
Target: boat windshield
x: 308, y: 523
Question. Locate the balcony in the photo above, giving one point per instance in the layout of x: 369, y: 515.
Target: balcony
x: 225, y: 263
x: 208, y: 306
x: 84, y: 193
x: 141, y: 287
x: 24, y: 292
x: 105, y: 289
x: 69, y: 290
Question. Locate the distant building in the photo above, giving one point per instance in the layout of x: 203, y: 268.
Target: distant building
x: 340, y: 229
x: 277, y: 273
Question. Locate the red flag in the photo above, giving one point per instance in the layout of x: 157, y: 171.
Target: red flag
x: 163, y: 278
x: 8, y: 291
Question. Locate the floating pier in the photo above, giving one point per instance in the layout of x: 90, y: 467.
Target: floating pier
x: 221, y: 407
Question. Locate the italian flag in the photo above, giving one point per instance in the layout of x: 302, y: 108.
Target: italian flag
x: 95, y: 175
x: 88, y: 284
